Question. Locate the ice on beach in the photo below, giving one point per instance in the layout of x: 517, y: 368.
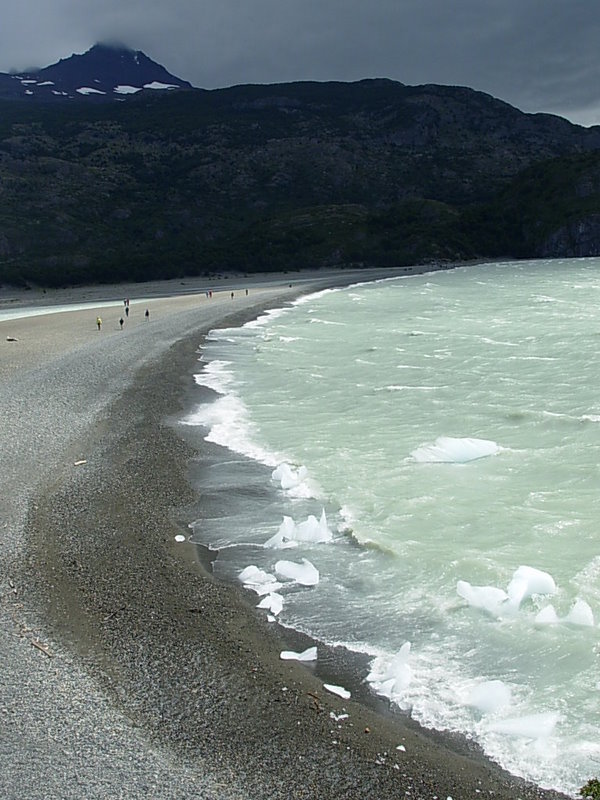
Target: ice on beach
x: 272, y: 602
x: 447, y: 449
x: 488, y: 598
x: 258, y: 580
x: 180, y: 538
x: 391, y: 677
x: 311, y: 530
x: 287, y: 476
x: 531, y: 726
x: 339, y: 690
x: 305, y: 573
x: 490, y: 696
x: 310, y: 654
x: 527, y: 581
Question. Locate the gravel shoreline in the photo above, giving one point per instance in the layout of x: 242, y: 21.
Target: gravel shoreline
x: 126, y: 670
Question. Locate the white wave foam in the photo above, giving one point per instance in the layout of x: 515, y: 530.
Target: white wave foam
x: 269, y: 315
x: 490, y: 696
x: 450, y: 450
x: 228, y: 422
x: 529, y: 726
x: 216, y: 376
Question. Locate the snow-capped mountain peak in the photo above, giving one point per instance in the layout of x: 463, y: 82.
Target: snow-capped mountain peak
x: 104, y: 72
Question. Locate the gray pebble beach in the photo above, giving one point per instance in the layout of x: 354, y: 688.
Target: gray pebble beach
x: 126, y: 670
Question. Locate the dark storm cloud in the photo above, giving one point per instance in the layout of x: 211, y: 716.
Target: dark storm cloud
x: 540, y: 55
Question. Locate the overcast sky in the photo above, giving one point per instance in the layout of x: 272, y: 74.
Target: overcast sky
x: 538, y: 55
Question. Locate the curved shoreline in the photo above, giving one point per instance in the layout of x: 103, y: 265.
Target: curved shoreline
x: 174, y: 676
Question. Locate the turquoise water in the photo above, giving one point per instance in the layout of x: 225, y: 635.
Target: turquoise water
x: 354, y: 385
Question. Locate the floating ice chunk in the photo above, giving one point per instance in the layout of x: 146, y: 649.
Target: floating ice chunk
x: 532, y: 726
x: 547, y: 616
x: 391, y: 677
x: 305, y: 573
x: 284, y: 536
x: 489, y: 598
x: 288, y: 477
x: 580, y: 614
x: 527, y: 581
x: 180, y: 537
x: 273, y: 602
x: 339, y: 690
x: 490, y: 696
x: 311, y: 530
x: 447, y: 449
x: 310, y: 654
x: 258, y: 580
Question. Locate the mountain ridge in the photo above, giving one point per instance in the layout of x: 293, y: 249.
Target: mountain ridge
x: 282, y: 176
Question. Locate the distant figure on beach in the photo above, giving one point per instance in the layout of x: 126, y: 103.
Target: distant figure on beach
x: 126, y: 311
x: 99, y: 323
x: 125, y: 303
x: 232, y: 295
x: 121, y: 322
x: 147, y: 314
x: 246, y: 292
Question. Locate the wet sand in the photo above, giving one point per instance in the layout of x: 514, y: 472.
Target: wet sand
x: 126, y: 670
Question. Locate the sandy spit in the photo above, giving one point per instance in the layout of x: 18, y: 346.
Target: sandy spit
x: 126, y: 671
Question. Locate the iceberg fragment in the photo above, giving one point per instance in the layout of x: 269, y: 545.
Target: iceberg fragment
x: 287, y: 477
x: 527, y: 581
x: 311, y: 530
x: 488, y: 598
x: 310, y: 654
x: 447, y: 449
x: 531, y: 726
x: 490, y: 696
x: 273, y: 602
x: 258, y: 580
x: 339, y: 690
x: 547, y: 616
x: 305, y: 573
x: 391, y: 677
x: 580, y: 614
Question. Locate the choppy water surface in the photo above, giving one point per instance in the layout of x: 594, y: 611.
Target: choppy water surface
x: 355, y: 385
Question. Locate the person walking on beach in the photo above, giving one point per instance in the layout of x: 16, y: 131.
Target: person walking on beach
x: 99, y: 323
x: 126, y: 311
x: 147, y: 314
x: 121, y: 322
